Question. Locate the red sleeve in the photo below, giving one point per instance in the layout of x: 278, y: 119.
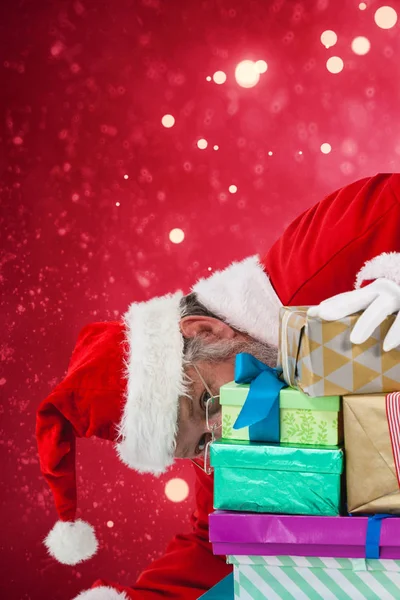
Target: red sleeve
x: 188, y: 567
x: 321, y: 252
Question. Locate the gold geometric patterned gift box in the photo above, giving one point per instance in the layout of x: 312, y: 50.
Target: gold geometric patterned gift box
x: 318, y: 358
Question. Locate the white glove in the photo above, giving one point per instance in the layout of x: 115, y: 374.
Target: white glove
x: 378, y: 300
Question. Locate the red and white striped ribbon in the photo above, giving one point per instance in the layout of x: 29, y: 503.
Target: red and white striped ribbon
x: 393, y: 417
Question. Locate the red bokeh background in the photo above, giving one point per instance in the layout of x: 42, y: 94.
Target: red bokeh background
x: 84, y: 85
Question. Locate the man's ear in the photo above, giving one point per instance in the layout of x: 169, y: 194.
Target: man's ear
x: 206, y: 327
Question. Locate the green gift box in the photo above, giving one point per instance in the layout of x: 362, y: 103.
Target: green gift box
x: 303, y: 420
x: 232, y: 396
x: 276, y: 478
x: 314, y: 421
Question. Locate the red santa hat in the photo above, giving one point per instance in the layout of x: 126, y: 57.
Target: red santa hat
x: 125, y: 379
x: 123, y: 384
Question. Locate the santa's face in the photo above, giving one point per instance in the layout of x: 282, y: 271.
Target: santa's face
x: 211, y: 349
x: 203, y: 401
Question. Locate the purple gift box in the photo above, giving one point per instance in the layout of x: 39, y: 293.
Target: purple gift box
x: 254, y: 534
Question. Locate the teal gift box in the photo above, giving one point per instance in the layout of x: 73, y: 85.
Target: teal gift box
x: 276, y: 478
x: 222, y: 591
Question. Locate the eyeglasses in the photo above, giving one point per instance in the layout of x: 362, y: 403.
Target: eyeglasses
x: 211, y: 427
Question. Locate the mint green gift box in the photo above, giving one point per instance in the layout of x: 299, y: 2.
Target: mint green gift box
x: 276, y: 478
x: 303, y: 420
x: 311, y: 578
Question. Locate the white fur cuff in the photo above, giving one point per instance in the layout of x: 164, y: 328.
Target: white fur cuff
x: 154, y: 372
x: 102, y: 593
x: 386, y: 265
x: 243, y: 295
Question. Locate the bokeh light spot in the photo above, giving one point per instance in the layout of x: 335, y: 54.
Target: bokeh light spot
x: 168, y: 121
x: 219, y: 77
x: 328, y: 38
x: 334, y: 64
x: 326, y: 148
x: 202, y: 144
x: 110, y: 524
x: 176, y: 236
x: 361, y: 45
x: 246, y: 74
x: 117, y: 204
x: 385, y: 17
x: 261, y: 66
x: 126, y: 176
x: 57, y: 48
x: 362, y: 6
x: 176, y: 490
x: 232, y: 189
x: 216, y: 147
x: 349, y: 147
x: 270, y: 153
x: 347, y: 168
x: 208, y: 78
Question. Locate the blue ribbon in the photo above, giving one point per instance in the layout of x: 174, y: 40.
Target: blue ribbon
x: 373, y: 537
x: 260, y: 412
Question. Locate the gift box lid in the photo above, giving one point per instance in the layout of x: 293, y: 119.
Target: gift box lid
x: 272, y: 535
x: 277, y: 457
x: 235, y: 394
x: 313, y: 562
x: 291, y: 398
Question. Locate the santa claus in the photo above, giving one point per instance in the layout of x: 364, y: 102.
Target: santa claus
x: 150, y: 383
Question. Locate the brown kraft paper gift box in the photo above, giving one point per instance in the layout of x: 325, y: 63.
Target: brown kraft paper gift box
x: 372, y: 484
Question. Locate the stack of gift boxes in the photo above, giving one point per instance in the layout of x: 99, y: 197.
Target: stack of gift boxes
x: 306, y: 474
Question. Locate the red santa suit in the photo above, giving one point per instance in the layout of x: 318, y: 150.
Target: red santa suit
x: 345, y: 241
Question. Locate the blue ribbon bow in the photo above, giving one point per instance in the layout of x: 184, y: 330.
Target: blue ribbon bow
x: 260, y: 411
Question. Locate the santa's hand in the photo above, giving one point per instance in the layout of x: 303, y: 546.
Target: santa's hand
x: 378, y: 300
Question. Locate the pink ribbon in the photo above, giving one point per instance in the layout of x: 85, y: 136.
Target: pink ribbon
x: 393, y: 417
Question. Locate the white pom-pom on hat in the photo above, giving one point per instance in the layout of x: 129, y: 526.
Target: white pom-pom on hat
x: 71, y: 542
